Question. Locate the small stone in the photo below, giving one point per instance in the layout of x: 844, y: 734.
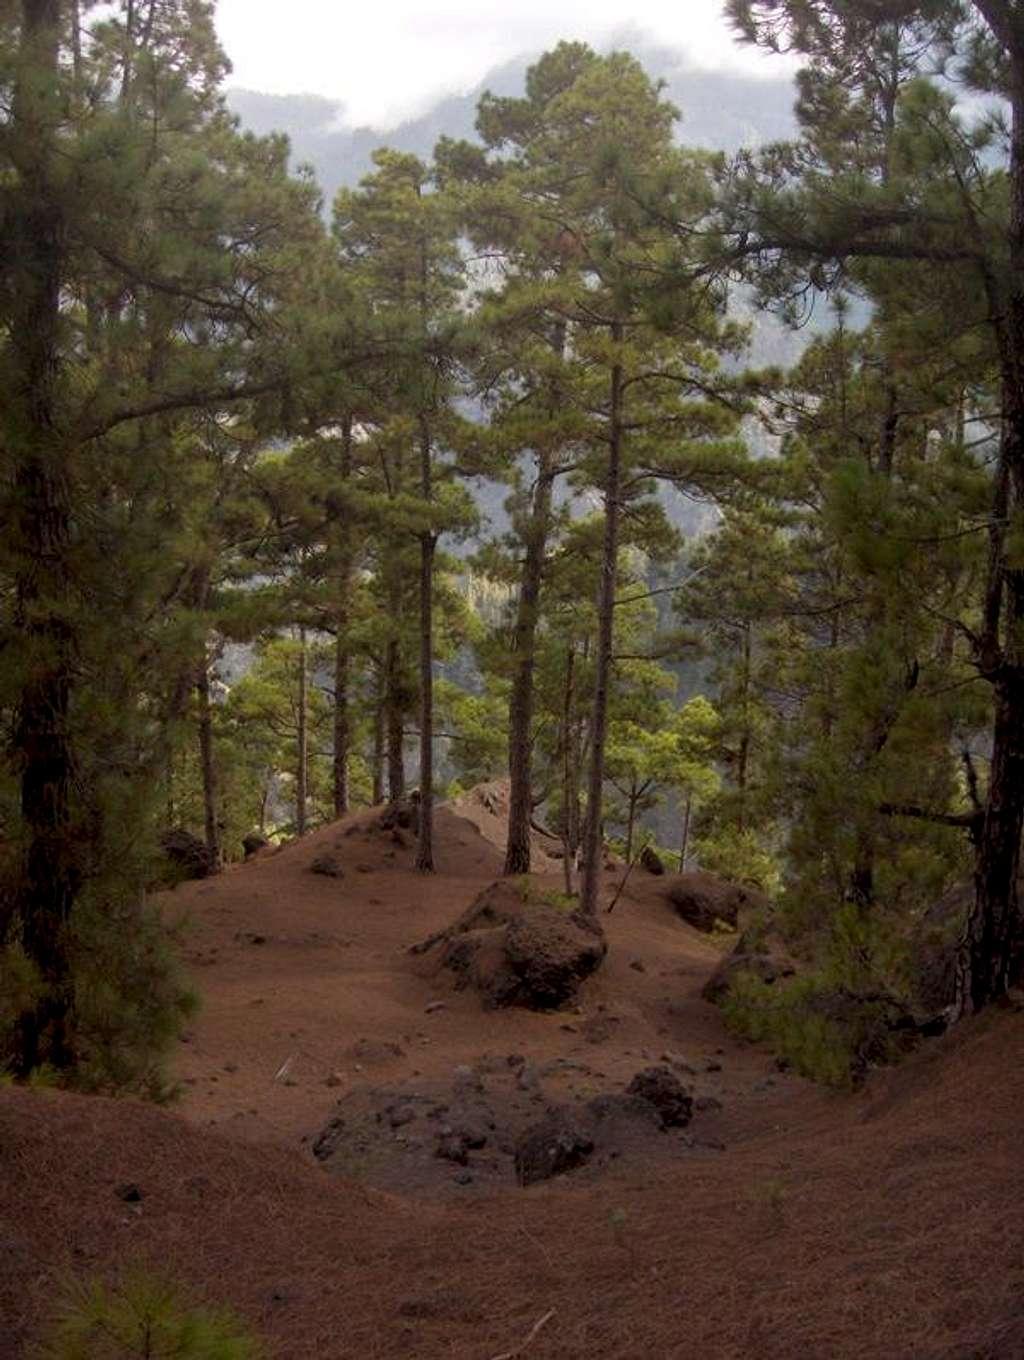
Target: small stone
x: 712, y: 1067
x: 231, y: 1067
x: 637, y: 966
x: 453, y: 1147
x: 677, y: 1061
x: 400, y: 1115
x: 435, y: 1006
x: 463, y: 1178
x: 333, y: 1080
x: 327, y: 864
x: 666, y: 1093
x: 130, y: 1193
x: 707, y: 1104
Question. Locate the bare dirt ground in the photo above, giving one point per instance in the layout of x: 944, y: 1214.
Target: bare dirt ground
x: 783, y: 1221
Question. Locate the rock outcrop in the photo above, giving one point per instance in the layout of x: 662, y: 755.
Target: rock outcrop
x: 702, y: 900
x: 520, y: 953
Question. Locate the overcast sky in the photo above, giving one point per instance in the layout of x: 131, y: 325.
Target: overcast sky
x: 387, y: 59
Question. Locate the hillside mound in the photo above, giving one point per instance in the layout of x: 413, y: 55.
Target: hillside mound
x: 895, y: 1215
x: 765, y: 1217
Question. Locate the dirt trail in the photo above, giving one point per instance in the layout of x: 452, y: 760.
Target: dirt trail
x: 789, y: 1222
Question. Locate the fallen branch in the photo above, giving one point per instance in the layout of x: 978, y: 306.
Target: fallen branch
x: 518, y: 1350
x: 622, y: 886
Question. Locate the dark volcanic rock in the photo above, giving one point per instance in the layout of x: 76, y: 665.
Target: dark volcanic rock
x: 617, y: 1105
x: 327, y: 864
x: 651, y: 861
x: 453, y: 1147
x: 404, y: 816
x: 551, y: 954
x: 550, y: 1149
x: 662, y: 1088
x: 702, y: 899
x: 329, y: 1139
x: 253, y: 844
x: 189, y: 857
x: 758, y: 954
x: 520, y: 954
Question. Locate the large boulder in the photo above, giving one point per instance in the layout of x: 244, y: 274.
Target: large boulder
x: 757, y: 952
x: 651, y: 861
x: 702, y: 900
x: 187, y: 856
x: 550, y: 1149
x: 520, y: 953
x: 663, y: 1090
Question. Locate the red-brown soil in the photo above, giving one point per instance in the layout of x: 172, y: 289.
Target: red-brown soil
x: 791, y: 1222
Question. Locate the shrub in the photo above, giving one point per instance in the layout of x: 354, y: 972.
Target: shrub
x: 740, y: 857
x: 824, y: 1031
x: 141, y: 1317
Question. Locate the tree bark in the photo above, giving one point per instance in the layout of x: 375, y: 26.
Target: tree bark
x: 684, y: 847
x: 428, y: 544
x: 208, y: 765
x: 342, y: 726
x: 42, y: 742
x: 605, y: 639
x: 394, y: 720
x: 378, y: 740
x: 521, y: 700
x: 990, y: 955
x: 342, y: 723
x: 302, y: 740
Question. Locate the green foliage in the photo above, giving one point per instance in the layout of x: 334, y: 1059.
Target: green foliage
x: 140, y: 1317
x: 740, y: 856
x: 825, y: 1033
x: 131, y: 997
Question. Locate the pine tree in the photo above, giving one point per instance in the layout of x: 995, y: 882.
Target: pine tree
x: 145, y: 240
x: 955, y: 216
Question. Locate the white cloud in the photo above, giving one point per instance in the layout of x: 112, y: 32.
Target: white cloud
x: 388, y: 59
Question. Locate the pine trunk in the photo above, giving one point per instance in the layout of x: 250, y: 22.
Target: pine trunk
x: 378, y: 741
x: 342, y: 726
x: 208, y: 765
x: 428, y: 543
x: 41, y: 530
x: 394, y: 715
x: 342, y: 723
x: 991, y: 950
x: 521, y: 700
x: 302, y: 740
x: 684, y: 847
x: 605, y: 636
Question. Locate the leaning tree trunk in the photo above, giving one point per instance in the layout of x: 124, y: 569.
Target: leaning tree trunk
x: 521, y: 700
x: 605, y: 637
x: 40, y: 539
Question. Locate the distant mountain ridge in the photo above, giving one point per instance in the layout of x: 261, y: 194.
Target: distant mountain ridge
x: 721, y: 111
